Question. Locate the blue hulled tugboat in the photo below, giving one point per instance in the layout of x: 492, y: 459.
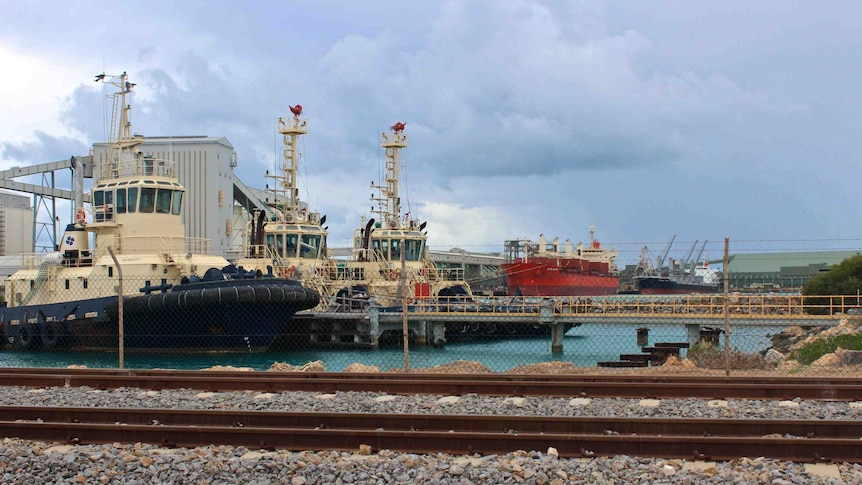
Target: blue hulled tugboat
x: 176, y: 296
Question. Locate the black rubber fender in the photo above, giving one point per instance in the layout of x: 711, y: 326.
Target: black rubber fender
x: 28, y: 336
x: 53, y: 335
x: 236, y: 292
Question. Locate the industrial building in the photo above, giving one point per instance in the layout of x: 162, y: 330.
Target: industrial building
x: 16, y: 222
x: 780, y: 270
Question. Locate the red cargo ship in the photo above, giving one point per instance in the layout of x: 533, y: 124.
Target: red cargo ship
x: 542, y: 269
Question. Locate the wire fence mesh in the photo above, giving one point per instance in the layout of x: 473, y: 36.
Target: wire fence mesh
x: 261, y: 322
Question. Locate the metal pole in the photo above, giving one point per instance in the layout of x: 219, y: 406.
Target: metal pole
x: 726, y: 308
x: 119, y: 307
x: 404, y: 326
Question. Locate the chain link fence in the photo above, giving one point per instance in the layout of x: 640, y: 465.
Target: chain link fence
x: 266, y: 323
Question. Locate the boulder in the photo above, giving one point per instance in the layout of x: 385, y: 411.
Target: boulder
x: 774, y: 356
x: 850, y: 357
x: 357, y: 367
x: 316, y: 366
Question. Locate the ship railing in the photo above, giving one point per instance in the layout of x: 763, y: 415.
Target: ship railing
x: 32, y: 260
x: 103, y: 213
x: 261, y: 251
x: 140, y: 166
x: 348, y: 273
x: 450, y: 274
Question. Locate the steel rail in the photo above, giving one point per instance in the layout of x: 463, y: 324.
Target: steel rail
x: 456, y: 434
x: 527, y: 385
x: 800, y: 428
x: 572, y: 377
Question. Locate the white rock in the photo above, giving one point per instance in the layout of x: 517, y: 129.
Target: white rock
x: 580, y: 401
x: 204, y: 395
x: 788, y: 404
x: 263, y: 395
x: 448, y: 400
x: 385, y: 398
x: 717, y: 403
x: 325, y: 397
x: 515, y: 401
x: 774, y: 356
x: 649, y: 403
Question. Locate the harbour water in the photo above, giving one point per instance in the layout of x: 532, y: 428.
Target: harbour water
x: 582, y: 346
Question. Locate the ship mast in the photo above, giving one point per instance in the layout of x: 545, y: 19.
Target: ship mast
x: 286, y: 193
x: 122, y: 143
x: 388, y: 201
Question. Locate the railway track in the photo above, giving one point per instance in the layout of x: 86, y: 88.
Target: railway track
x: 622, y: 386
x: 796, y: 440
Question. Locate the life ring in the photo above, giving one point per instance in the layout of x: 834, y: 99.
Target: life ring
x: 53, y: 335
x: 288, y: 272
x: 80, y: 215
x: 393, y: 274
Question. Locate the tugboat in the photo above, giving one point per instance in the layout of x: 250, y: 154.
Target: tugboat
x: 390, y: 260
x: 287, y: 237
x: 176, y: 297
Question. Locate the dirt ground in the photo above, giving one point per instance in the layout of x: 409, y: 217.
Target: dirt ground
x: 672, y: 367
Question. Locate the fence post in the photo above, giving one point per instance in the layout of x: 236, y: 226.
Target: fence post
x: 120, y: 344
x: 726, y: 308
x: 405, y: 327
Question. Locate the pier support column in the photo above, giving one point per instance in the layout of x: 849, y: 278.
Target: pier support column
x: 692, y: 333
x: 374, y: 325
x: 438, y: 334
x: 557, y: 332
x: 421, y: 333
x: 546, y: 317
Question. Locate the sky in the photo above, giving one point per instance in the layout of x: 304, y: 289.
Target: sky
x: 648, y: 119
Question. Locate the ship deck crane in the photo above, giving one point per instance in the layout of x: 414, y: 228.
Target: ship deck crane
x: 660, y: 261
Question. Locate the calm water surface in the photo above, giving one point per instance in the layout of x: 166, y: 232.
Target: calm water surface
x: 583, y: 346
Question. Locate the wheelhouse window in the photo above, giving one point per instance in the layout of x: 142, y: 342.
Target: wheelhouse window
x: 279, y: 244
x: 163, y: 201
x: 133, y: 199
x: 290, y: 245
x: 148, y: 199
x: 310, y: 247
x: 413, y: 250
x: 177, y: 205
x: 121, y: 201
x: 395, y: 250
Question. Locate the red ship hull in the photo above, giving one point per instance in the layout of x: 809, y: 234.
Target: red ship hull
x: 559, y: 277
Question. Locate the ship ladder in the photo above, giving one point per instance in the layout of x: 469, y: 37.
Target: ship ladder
x: 41, y: 276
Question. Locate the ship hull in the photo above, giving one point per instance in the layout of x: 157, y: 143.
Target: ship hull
x: 205, y: 317
x: 667, y: 286
x: 547, y: 278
